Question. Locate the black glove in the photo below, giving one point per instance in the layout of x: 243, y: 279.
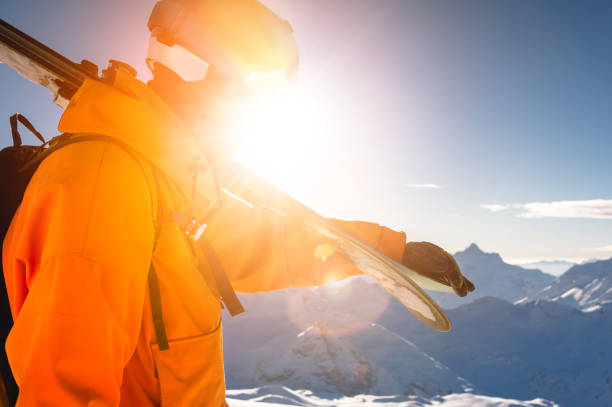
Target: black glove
x: 436, y: 263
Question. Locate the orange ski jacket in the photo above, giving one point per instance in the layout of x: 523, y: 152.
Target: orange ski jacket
x: 77, y: 256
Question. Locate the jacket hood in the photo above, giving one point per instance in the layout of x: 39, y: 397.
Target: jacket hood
x: 132, y: 112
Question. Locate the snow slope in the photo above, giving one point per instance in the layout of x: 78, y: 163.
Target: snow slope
x: 538, y: 349
x: 308, y: 341
x: 493, y: 277
x: 356, y: 339
x: 584, y: 286
x: 276, y: 396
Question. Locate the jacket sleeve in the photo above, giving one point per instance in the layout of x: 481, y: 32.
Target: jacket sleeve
x: 76, y: 260
x: 265, y: 250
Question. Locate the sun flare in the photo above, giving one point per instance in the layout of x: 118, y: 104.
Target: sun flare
x: 281, y: 134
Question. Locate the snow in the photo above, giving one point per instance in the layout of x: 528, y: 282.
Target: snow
x: 575, y: 293
x: 341, y: 341
x: 306, y: 331
x: 537, y: 349
x: 592, y: 309
x: 325, y: 340
x: 583, y: 286
x: 277, y: 396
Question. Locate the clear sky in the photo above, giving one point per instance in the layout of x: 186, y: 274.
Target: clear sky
x: 456, y: 121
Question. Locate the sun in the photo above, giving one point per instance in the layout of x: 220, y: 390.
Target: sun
x: 281, y: 134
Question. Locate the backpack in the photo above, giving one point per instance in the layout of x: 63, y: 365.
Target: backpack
x: 17, y: 166
x: 13, y: 182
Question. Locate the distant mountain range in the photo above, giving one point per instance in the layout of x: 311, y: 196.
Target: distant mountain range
x: 356, y: 338
x: 493, y: 277
x: 583, y: 286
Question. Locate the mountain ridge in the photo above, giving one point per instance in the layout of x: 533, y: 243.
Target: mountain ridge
x: 493, y: 277
x: 582, y: 286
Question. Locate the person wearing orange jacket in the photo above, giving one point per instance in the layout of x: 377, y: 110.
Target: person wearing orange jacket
x: 112, y: 305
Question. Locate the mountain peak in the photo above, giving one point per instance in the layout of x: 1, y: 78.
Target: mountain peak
x: 494, y: 277
x: 474, y: 252
x: 473, y: 248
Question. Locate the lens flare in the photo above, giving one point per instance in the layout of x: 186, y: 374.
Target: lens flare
x: 323, y: 251
x: 337, y: 308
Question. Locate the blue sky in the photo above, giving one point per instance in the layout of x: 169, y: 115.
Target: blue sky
x: 499, y: 103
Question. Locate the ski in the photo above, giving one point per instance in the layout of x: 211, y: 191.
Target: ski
x: 63, y: 77
x: 40, y: 64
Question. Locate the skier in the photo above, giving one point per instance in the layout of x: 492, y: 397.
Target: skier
x: 113, y: 302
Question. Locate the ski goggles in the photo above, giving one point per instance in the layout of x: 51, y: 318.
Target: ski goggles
x: 192, y: 68
x: 252, y: 44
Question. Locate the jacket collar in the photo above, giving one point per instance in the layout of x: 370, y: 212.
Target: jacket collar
x: 133, y: 113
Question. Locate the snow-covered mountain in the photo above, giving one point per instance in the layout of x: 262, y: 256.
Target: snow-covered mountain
x: 538, y: 349
x: 305, y: 339
x: 357, y: 339
x: 380, y: 362
x: 583, y: 286
x: 493, y: 277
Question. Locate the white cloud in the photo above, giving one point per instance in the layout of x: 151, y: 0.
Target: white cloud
x: 587, y: 209
x: 607, y: 248
x: 591, y: 209
x: 430, y: 186
x: 495, y: 207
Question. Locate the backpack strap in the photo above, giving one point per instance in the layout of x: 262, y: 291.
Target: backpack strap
x: 154, y: 289
x: 156, y: 309
x: 153, y: 281
x: 203, y: 250
x: 227, y: 292
x: 67, y: 139
x: 14, y: 119
x: 193, y: 230
x: 4, y: 398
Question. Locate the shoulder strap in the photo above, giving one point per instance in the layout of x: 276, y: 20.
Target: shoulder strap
x: 202, y: 246
x: 204, y: 252
x: 4, y: 398
x: 227, y: 292
x: 153, y: 281
x: 14, y: 120
x: 67, y: 139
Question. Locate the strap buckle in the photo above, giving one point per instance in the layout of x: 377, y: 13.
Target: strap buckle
x: 189, y: 225
x: 194, y: 229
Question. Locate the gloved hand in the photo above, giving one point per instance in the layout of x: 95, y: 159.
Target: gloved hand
x: 436, y: 263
